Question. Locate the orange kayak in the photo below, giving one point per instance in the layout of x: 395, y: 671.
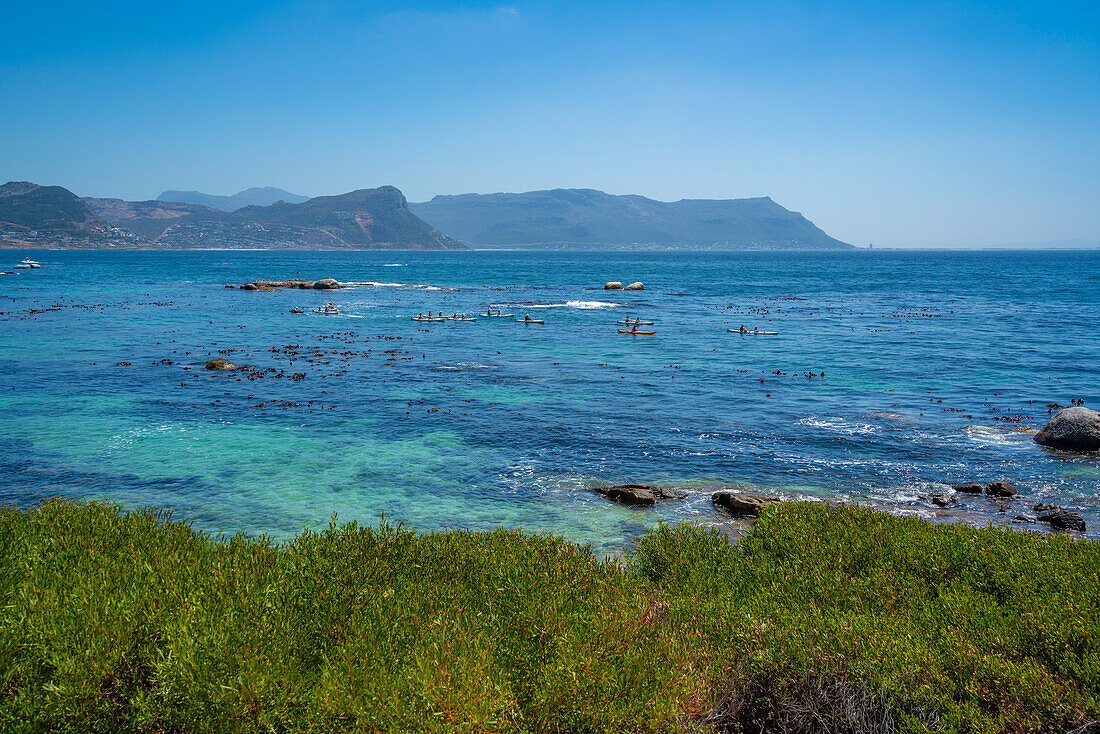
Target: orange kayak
x: 633, y: 331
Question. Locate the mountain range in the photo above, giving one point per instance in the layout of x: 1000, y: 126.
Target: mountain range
x: 381, y: 218
x: 583, y: 218
x: 368, y: 219
x: 265, y: 196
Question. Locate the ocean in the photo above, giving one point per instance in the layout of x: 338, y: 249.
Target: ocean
x: 892, y: 373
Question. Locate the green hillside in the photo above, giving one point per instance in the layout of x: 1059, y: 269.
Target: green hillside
x: 45, y: 208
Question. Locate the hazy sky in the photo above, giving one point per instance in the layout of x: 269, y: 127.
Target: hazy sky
x: 902, y: 124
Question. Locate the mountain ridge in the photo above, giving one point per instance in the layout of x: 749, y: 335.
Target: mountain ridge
x: 54, y: 217
x: 255, y: 196
x: 571, y: 218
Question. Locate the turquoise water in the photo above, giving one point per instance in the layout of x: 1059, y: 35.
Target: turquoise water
x: 917, y: 360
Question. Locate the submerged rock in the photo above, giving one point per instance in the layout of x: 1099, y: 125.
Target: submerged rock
x: 249, y: 287
x: 1045, y: 507
x: 635, y: 286
x: 640, y: 495
x: 743, y: 505
x: 943, y: 500
x: 1062, y: 520
x: 1072, y: 429
x: 968, y: 487
x: 1000, y: 489
x: 221, y: 363
x: 613, y: 286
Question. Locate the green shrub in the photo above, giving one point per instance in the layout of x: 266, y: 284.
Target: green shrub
x: 820, y: 619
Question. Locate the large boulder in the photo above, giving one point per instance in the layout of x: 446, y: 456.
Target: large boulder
x: 1063, y: 520
x: 613, y: 286
x: 326, y: 284
x: 635, y: 286
x: 250, y: 287
x: 740, y: 504
x: 1000, y: 489
x: 968, y: 487
x: 641, y: 495
x: 221, y: 363
x: 1072, y: 429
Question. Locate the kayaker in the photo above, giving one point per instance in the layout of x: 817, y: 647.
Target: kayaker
x: 526, y: 317
x: 743, y: 329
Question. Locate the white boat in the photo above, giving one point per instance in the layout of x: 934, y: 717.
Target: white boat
x: 428, y: 318
x: 462, y: 318
x: 530, y: 321
x: 753, y: 333
x: 326, y: 311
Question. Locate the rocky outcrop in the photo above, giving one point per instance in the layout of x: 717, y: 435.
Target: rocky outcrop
x: 635, y: 286
x: 613, y: 286
x: 221, y: 363
x: 1072, y: 429
x: 1000, y: 489
x: 324, y: 284
x: 639, y: 495
x: 968, y: 487
x: 1063, y: 520
x: 740, y: 504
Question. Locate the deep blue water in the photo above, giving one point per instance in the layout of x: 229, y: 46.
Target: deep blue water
x: 918, y: 358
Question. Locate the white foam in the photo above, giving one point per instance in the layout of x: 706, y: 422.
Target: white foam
x: 839, y: 425
x: 571, y: 304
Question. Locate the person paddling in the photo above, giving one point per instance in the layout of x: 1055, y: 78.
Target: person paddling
x: 743, y: 329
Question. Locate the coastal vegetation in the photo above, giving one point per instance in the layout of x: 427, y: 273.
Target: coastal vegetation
x: 822, y: 618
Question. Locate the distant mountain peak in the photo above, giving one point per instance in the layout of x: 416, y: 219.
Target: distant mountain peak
x: 255, y: 196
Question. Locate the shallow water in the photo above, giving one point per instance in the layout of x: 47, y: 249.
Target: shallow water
x: 917, y: 359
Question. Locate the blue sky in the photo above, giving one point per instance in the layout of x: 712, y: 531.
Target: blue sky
x: 903, y: 124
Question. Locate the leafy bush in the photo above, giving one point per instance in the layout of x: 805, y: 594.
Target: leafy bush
x: 821, y: 619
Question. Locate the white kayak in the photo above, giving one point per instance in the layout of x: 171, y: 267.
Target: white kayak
x: 632, y: 321
x: 460, y: 318
x: 426, y: 318
x: 530, y: 321
x: 753, y: 333
x: 495, y: 315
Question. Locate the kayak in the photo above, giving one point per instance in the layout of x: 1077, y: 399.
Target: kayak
x: 429, y: 318
x: 632, y: 321
x: 495, y: 315
x: 530, y: 321
x: 753, y: 333
x: 635, y: 331
x: 460, y: 318
x: 296, y: 310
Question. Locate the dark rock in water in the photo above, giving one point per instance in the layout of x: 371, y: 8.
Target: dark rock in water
x: 1000, y: 489
x: 324, y: 284
x: 968, y: 488
x: 641, y: 495
x: 221, y: 363
x: 1072, y: 429
x: 1045, y: 507
x: 1062, y: 520
x: 230, y: 285
x: 743, y: 505
x: 1024, y: 518
x: 943, y: 500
